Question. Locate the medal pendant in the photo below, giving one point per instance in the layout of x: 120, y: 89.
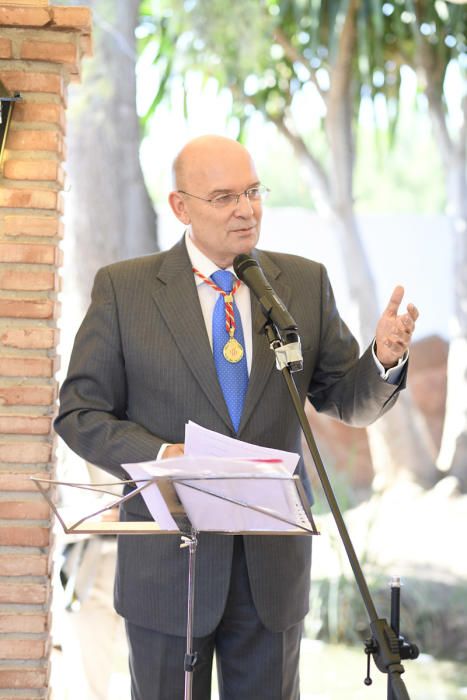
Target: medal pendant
x: 233, y: 351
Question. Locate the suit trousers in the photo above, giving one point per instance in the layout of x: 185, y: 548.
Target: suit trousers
x: 252, y: 662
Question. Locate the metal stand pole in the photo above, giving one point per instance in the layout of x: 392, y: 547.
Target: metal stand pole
x: 383, y: 645
x: 407, y: 649
x: 191, y: 656
x: 395, y: 618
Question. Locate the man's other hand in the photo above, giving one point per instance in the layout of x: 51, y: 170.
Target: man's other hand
x: 394, y: 330
x: 177, y: 450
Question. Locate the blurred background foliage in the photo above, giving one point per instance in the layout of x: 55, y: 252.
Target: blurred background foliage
x: 280, y: 59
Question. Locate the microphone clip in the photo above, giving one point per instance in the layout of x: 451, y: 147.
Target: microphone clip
x: 280, y: 328
x: 287, y: 348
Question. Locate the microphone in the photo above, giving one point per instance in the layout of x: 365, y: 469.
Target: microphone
x: 284, y: 340
x: 248, y: 270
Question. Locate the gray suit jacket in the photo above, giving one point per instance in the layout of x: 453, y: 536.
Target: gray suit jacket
x: 142, y: 367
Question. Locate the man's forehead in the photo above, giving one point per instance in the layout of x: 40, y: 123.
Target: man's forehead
x: 234, y: 187
x: 215, y: 163
x: 224, y: 172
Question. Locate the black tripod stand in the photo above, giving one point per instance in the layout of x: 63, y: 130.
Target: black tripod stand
x: 385, y: 645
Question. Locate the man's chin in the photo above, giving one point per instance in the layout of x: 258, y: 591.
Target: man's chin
x: 246, y: 240
x: 245, y: 248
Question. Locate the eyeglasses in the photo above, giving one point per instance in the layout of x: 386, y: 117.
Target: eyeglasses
x: 253, y: 194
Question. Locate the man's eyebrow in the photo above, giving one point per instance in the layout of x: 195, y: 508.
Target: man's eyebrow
x: 214, y: 193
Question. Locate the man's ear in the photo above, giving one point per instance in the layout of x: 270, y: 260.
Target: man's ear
x: 177, y: 204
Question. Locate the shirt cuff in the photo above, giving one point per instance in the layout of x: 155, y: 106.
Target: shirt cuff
x: 162, y: 449
x: 393, y: 374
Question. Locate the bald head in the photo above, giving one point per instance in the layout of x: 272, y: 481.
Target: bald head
x: 205, y: 169
x: 201, y: 157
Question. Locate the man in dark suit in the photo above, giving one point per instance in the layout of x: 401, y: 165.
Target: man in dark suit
x: 145, y: 362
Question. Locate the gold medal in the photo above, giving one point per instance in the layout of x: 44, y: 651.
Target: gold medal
x: 233, y: 351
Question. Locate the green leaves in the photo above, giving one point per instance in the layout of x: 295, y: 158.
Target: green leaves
x: 266, y: 52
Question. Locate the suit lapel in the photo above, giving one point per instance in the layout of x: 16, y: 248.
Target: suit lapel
x: 177, y: 299
x: 263, y: 357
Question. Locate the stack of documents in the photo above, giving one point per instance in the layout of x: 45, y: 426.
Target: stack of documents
x: 226, y: 485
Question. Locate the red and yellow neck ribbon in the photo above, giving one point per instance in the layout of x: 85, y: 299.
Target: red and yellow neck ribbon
x: 228, y: 300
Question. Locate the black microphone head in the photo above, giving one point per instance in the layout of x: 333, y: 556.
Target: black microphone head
x: 242, y: 262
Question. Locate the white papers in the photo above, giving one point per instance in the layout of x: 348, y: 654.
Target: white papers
x: 201, y: 442
x: 226, y: 494
x: 152, y: 496
x: 262, y: 497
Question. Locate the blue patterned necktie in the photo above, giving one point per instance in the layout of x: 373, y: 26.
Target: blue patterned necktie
x: 233, y: 376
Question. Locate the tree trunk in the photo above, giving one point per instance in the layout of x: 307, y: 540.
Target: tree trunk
x: 453, y: 453
x: 399, y: 441
x: 400, y: 444
x: 110, y: 215
x: 453, y: 151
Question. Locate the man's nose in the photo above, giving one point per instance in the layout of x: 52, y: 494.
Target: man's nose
x: 243, y: 207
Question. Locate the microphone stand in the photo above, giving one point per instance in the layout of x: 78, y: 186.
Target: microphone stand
x: 384, y: 644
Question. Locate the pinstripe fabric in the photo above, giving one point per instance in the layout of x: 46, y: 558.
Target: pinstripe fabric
x: 156, y: 660
x: 142, y: 366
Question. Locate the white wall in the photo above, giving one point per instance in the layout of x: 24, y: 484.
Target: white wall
x: 413, y: 250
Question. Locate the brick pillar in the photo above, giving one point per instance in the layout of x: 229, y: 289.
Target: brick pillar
x: 40, y: 51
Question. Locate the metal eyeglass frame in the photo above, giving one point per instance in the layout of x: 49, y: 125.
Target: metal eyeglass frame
x: 223, y: 200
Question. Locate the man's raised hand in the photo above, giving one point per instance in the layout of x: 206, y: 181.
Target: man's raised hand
x: 394, y: 330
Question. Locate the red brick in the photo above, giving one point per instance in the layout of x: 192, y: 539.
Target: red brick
x: 24, y: 425
x: 73, y: 17
x: 11, y: 623
x: 22, y: 81
x: 21, y: 482
x: 60, y: 204
x: 35, y: 140
x: 24, y: 16
x: 51, y: 51
x: 37, y: 338
x: 22, y: 677
x: 33, y: 170
x: 5, y: 48
x: 27, y: 395
x: 25, y: 280
x: 23, y: 565
x: 28, y: 199
x: 26, y: 366
x: 29, y: 253
x: 23, y: 697
x: 24, y: 510
x: 31, y: 536
x: 37, y: 112
x: 25, y: 452
x: 30, y: 225
x: 26, y: 308
x: 22, y: 648
x: 86, y: 45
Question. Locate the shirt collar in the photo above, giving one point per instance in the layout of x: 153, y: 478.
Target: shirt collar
x: 201, y: 261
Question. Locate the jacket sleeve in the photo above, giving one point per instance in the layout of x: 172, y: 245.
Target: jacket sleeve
x: 92, y: 416
x: 343, y: 385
